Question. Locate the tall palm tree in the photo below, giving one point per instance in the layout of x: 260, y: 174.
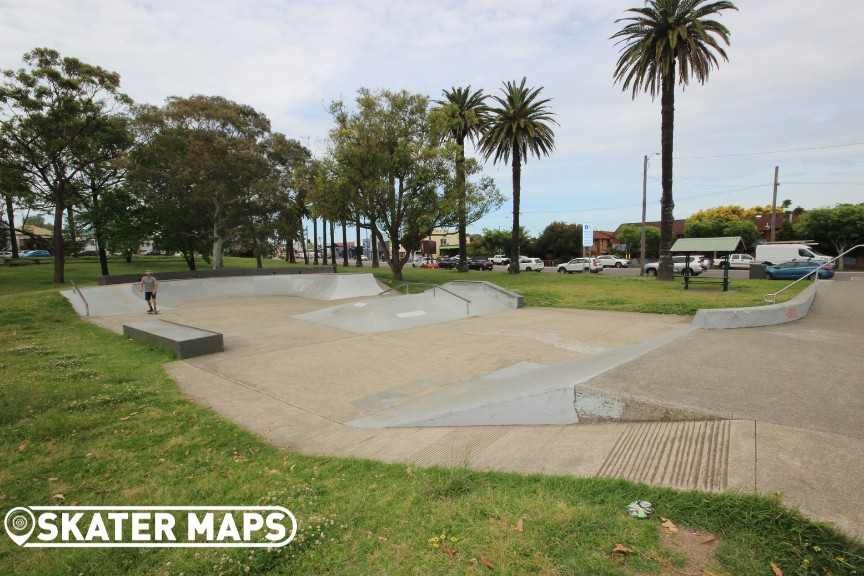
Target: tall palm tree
x: 465, y: 113
x: 662, y: 35
x: 520, y: 126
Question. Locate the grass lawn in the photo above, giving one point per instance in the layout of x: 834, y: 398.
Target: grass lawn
x: 90, y: 418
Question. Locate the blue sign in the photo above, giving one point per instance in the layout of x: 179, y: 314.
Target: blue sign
x: 587, y: 235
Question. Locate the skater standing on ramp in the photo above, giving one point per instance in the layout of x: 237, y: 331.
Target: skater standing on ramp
x: 149, y: 285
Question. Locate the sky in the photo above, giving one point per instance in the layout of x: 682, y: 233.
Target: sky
x: 790, y: 95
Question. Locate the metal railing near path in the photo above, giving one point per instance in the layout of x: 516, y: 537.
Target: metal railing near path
x: 435, y: 288
x: 772, y: 298
x: 78, y: 291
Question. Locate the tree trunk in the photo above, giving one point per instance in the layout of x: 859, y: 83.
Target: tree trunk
x: 218, y: 241
x: 667, y: 204
x: 13, y: 239
x: 59, y: 248
x: 358, y: 251
x: 314, y: 241
x: 333, y: 244
x: 103, y: 256
x: 373, y: 230
x: 324, y: 236
x: 73, y: 234
x: 463, y: 225
x: 517, y: 189
x: 344, y: 244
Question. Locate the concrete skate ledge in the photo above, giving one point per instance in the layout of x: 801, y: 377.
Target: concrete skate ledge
x: 184, y: 341
x: 497, y: 293
x: 722, y: 318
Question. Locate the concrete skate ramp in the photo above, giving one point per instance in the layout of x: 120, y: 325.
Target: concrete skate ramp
x: 452, y: 301
x: 531, y: 394
x: 121, y: 299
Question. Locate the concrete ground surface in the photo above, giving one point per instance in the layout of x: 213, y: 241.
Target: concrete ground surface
x: 782, y: 404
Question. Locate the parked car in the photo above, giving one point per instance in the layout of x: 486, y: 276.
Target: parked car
x: 429, y: 263
x: 703, y: 261
x: 610, y: 261
x: 530, y: 264
x: 36, y: 254
x: 448, y: 263
x: 500, y: 259
x: 420, y: 260
x: 5, y: 253
x: 735, y: 261
x: 594, y: 265
x: 678, y: 267
x: 480, y: 264
x: 795, y: 269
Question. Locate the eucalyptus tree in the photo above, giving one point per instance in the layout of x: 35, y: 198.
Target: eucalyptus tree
x: 202, y: 155
x: 97, y: 178
x: 50, y: 113
x: 271, y: 212
x: 665, y: 42
x: 519, y: 126
x: 388, y: 149
x: 463, y: 113
x: 14, y: 189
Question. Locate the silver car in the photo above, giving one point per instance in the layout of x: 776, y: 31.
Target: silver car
x: 581, y: 265
x: 530, y: 264
x: 678, y: 267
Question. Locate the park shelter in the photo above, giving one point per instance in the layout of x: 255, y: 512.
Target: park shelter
x: 723, y: 245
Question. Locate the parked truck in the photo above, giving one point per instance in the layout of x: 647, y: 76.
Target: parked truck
x: 735, y: 261
x: 770, y: 254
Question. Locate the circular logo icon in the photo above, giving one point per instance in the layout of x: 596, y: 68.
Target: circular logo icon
x: 19, y: 524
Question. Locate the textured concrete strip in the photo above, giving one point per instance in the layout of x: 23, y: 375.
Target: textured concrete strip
x: 817, y: 471
x: 685, y: 455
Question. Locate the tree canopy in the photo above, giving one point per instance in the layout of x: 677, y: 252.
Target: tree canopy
x: 663, y: 42
x: 52, y: 126
x: 520, y: 125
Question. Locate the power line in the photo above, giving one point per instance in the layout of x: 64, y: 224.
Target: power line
x: 771, y: 152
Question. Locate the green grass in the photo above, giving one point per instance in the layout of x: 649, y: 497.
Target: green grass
x: 88, y: 417
x: 608, y: 292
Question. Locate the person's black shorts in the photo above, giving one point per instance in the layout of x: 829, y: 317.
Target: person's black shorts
x: 149, y: 295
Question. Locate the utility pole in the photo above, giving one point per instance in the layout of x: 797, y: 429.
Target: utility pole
x: 644, y: 201
x: 774, y: 203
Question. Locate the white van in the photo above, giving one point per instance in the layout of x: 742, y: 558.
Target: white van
x: 770, y: 254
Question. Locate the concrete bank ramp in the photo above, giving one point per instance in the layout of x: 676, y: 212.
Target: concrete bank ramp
x: 528, y: 393
x: 121, y: 299
x: 452, y: 301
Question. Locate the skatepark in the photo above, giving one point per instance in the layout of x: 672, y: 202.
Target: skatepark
x: 465, y: 375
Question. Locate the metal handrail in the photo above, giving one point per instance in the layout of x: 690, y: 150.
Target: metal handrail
x: 773, y: 296
x: 434, y: 288
x: 76, y: 289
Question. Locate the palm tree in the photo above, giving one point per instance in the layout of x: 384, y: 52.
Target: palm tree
x: 519, y: 126
x: 465, y: 113
x: 662, y: 35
